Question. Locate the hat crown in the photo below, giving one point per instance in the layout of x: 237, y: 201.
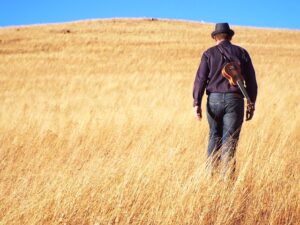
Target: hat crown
x: 222, y: 28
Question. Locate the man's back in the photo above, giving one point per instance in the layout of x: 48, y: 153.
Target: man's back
x: 210, y: 68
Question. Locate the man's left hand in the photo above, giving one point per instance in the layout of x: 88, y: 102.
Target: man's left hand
x: 198, y: 112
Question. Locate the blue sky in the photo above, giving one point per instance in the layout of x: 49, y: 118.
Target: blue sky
x: 257, y: 13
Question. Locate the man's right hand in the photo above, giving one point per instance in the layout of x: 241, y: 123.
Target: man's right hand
x: 198, y: 112
x: 250, y: 111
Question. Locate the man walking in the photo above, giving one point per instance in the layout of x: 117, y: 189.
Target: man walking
x: 225, y: 103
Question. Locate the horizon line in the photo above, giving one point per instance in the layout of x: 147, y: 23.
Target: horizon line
x: 141, y: 18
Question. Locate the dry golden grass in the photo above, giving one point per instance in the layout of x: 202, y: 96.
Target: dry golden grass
x: 97, y: 127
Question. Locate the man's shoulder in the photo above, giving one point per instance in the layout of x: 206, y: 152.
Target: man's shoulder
x: 211, y: 50
x: 239, y: 47
x: 242, y: 52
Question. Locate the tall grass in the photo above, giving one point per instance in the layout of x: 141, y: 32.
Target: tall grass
x: 97, y: 127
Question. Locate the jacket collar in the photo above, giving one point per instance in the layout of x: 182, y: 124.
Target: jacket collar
x: 225, y: 42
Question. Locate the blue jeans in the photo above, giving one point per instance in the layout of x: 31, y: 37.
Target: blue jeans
x: 225, y: 114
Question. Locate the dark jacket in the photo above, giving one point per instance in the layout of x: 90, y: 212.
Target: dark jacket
x: 209, y: 75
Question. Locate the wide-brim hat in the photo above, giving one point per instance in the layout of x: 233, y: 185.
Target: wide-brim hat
x: 222, y: 28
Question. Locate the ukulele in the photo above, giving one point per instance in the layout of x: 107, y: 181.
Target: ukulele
x: 232, y: 72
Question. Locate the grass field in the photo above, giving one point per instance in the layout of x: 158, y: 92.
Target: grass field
x: 97, y: 127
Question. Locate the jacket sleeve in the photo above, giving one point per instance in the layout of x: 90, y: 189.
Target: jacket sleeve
x: 250, y: 78
x: 200, y: 80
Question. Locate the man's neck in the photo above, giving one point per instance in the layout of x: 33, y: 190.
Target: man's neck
x: 219, y: 41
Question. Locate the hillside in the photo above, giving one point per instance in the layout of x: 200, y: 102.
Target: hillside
x: 97, y: 126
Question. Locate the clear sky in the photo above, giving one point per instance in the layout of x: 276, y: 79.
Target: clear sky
x: 257, y: 13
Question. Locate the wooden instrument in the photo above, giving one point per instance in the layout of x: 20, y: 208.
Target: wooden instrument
x: 232, y: 72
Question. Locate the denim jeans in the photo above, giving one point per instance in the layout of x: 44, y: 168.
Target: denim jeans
x: 225, y: 113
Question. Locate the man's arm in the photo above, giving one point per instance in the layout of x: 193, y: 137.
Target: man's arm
x: 250, y: 78
x: 251, y: 86
x: 199, y: 85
